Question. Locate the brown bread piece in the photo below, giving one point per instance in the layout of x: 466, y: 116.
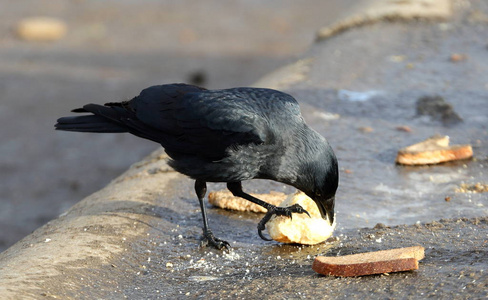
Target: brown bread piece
x: 225, y: 199
x: 434, y: 150
x: 385, y: 261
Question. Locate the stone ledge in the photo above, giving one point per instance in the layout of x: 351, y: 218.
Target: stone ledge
x: 390, y: 10
x: 90, y: 234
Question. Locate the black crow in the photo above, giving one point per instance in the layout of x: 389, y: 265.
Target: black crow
x: 228, y: 136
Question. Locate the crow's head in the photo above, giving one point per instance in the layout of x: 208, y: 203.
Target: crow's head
x: 322, y: 180
x: 324, y: 195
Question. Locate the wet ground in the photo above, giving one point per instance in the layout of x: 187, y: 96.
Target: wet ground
x: 366, y: 138
x: 454, y: 266
x: 166, y: 262
x: 377, y: 95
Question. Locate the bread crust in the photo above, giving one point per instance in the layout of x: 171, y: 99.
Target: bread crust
x: 225, y: 199
x: 378, y: 262
x: 433, y: 151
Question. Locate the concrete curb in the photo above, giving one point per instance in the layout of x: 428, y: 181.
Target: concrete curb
x: 90, y: 234
x: 390, y: 10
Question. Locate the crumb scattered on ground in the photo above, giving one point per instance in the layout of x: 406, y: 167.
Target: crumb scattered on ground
x: 472, y: 188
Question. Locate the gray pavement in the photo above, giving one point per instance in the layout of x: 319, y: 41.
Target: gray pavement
x: 137, y: 238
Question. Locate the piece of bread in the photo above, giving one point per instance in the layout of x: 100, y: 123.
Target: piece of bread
x: 301, y: 228
x: 225, y: 199
x: 434, y: 150
x: 385, y: 261
x: 41, y: 29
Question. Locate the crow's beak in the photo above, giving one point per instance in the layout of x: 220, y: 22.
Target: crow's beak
x: 326, y: 208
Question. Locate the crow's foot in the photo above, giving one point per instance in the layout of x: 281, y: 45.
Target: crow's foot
x: 208, y: 239
x: 279, y: 211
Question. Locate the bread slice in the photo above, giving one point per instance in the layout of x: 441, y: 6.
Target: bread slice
x: 385, y: 261
x: 434, y: 150
x: 225, y: 199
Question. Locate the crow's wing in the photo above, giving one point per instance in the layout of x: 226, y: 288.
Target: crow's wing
x: 206, y: 123
x: 189, y: 120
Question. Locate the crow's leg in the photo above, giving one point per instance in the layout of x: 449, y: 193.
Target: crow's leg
x: 236, y: 190
x: 208, y: 237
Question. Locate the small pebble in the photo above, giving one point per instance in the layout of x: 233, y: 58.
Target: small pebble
x: 404, y: 128
x: 366, y: 129
x: 457, y: 57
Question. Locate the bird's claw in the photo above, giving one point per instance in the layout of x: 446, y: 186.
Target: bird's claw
x: 279, y: 211
x: 296, y: 208
x: 209, y: 239
x: 262, y: 226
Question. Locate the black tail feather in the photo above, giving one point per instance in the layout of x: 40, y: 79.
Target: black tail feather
x: 108, y: 118
x: 79, y: 110
x: 90, y: 123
